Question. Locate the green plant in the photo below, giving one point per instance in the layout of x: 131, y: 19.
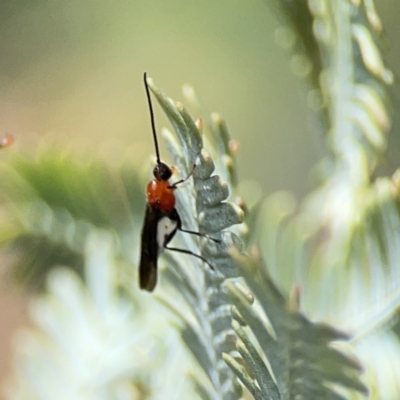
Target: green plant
x: 301, y: 315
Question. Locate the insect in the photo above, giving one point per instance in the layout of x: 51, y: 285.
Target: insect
x: 161, y: 220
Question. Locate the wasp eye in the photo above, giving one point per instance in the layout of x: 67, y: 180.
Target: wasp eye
x: 162, y: 172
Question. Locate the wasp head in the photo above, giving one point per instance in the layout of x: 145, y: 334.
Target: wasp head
x: 162, y: 172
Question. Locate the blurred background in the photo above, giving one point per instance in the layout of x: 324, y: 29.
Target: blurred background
x: 71, y: 73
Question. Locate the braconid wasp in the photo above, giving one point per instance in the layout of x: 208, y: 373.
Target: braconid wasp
x: 161, y: 220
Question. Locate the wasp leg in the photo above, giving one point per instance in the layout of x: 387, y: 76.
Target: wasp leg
x: 199, y: 234
x: 175, y: 185
x: 190, y: 253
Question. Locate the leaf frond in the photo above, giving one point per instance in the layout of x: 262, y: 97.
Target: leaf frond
x: 300, y: 358
x: 205, y: 210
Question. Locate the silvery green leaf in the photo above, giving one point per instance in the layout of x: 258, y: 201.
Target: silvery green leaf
x: 86, y: 343
x: 203, y: 208
x: 341, y: 244
x: 300, y: 354
x: 52, y: 202
x: 256, y: 364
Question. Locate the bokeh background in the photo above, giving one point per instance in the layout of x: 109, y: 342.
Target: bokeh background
x: 71, y: 72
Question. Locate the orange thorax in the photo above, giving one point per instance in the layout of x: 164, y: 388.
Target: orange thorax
x: 161, y: 195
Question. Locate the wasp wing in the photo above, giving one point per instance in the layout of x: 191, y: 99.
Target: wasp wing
x: 149, y: 251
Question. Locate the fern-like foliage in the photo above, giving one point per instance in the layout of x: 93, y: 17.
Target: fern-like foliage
x: 52, y: 202
x: 85, y: 344
x: 207, y: 328
x: 303, y: 357
x: 203, y: 208
x: 296, y: 34
x: 341, y: 245
x: 331, y: 261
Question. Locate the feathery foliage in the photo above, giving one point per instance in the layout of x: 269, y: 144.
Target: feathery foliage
x: 344, y: 235
x: 52, y: 202
x: 207, y: 298
x: 86, y: 344
x: 304, y: 357
x: 205, y: 328
x: 322, y: 305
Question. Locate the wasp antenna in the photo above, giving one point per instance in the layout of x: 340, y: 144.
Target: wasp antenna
x: 153, y: 126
